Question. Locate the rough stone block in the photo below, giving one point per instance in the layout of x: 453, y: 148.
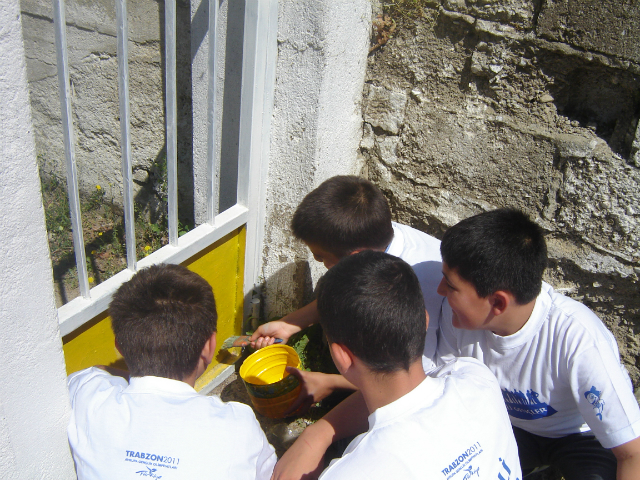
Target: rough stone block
x: 611, y: 27
x: 514, y: 12
x: 385, y: 109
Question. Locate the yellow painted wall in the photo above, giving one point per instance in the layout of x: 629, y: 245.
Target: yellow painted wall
x: 222, y: 265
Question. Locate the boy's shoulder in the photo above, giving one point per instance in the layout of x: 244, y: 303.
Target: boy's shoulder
x: 569, y: 318
x: 467, y: 374
x: 93, y: 386
x: 413, y: 235
x: 457, y: 408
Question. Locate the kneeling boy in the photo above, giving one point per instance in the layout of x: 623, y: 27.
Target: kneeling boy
x: 451, y: 424
x: 157, y: 425
x: 345, y: 215
x: 569, y: 398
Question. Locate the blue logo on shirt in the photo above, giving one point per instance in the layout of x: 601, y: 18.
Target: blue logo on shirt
x: 506, y: 469
x: 149, y: 472
x: 526, y: 407
x: 593, y: 397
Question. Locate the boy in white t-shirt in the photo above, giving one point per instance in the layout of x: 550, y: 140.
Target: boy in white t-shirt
x: 450, y: 424
x: 569, y: 398
x: 345, y: 215
x: 156, y: 425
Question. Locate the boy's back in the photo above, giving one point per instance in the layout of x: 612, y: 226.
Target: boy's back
x: 422, y: 252
x: 156, y: 425
x: 452, y: 426
x: 161, y: 428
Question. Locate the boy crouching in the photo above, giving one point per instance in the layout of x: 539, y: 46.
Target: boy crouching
x: 156, y: 425
x: 451, y: 424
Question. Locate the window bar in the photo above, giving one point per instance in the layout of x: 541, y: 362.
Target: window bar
x: 213, y: 160
x: 123, y: 89
x: 69, y: 145
x: 172, y: 125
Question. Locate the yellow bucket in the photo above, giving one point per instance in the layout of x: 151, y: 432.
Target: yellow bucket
x: 271, y: 389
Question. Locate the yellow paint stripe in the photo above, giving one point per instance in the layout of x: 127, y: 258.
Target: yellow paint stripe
x: 222, y: 265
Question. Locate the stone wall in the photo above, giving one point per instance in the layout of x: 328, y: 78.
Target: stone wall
x: 472, y: 106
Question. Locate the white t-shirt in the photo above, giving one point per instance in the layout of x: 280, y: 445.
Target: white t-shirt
x: 452, y: 426
x: 422, y: 252
x: 160, y: 428
x: 560, y: 369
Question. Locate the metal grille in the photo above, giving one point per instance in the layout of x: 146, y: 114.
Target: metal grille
x: 259, y: 52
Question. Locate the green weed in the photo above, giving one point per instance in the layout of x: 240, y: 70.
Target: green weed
x: 103, y: 232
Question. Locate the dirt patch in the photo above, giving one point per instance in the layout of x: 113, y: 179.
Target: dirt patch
x: 281, y: 433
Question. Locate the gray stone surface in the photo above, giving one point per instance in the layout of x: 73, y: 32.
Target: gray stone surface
x: 498, y: 115
x: 611, y: 27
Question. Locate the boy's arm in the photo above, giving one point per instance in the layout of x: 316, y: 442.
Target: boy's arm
x: 304, y: 458
x: 628, y: 455
x: 285, y: 327
x: 315, y: 387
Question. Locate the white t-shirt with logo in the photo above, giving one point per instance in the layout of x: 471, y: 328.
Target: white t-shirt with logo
x: 422, y: 252
x: 160, y: 428
x: 559, y: 374
x: 452, y: 426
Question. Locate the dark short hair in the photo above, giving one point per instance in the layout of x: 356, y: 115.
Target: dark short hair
x: 371, y: 303
x: 498, y: 250
x: 343, y: 214
x: 162, y: 319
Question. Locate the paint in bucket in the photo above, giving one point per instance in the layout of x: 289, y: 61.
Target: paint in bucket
x: 271, y: 389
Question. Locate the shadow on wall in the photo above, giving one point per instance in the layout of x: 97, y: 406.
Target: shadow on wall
x: 601, y: 98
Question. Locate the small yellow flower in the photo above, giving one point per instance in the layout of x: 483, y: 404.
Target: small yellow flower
x: 99, y: 234
x: 98, y: 187
x: 93, y: 252
x: 90, y: 279
x: 147, y: 248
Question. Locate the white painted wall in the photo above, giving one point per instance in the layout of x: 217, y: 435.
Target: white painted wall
x: 34, y: 405
x: 316, y: 127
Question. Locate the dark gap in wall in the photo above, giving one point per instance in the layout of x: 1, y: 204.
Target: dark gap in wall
x: 596, y: 96
x: 186, y: 213
x: 229, y: 142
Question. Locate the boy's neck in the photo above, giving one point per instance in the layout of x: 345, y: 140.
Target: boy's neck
x: 514, y: 319
x: 379, y: 390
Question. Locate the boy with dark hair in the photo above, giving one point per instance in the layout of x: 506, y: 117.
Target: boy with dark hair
x: 345, y: 215
x: 449, y: 424
x: 157, y: 425
x: 568, y: 396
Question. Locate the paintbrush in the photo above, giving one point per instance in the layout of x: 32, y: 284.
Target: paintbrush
x: 240, y: 341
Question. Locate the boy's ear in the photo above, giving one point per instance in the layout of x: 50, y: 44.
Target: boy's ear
x: 119, y: 349
x: 500, y: 300
x: 342, y: 357
x: 426, y: 314
x: 209, y: 349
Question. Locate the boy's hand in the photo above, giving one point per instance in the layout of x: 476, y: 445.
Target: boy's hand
x: 266, y: 334
x: 315, y: 387
x: 285, y: 327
